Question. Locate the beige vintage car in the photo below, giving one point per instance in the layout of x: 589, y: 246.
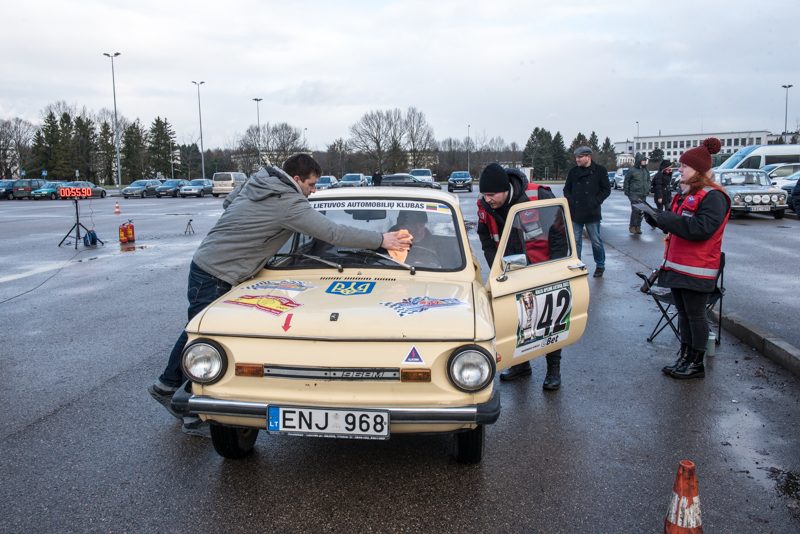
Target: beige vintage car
x: 335, y: 342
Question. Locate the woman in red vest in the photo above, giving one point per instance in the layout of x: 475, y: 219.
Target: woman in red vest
x: 692, y: 253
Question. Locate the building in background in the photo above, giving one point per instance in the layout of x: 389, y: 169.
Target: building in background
x: 673, y: 146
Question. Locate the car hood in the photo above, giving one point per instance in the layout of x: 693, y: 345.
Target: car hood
x: 344, y: 307
x: 745, y: 189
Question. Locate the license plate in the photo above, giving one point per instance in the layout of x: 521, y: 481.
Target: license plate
x: 759, y: 208
x: 331, y: 423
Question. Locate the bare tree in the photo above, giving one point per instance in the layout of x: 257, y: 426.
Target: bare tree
x: 420, y: 141
x: 16, y: 136
x: 374, y: 133
x: 286, y: 140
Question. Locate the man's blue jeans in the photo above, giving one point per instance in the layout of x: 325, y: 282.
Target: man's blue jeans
x: 203, y: 290
x: 593, y: 229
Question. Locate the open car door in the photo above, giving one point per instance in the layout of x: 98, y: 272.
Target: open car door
x: 539, y: 287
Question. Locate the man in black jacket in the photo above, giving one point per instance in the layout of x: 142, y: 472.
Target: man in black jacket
x: 585, y: 189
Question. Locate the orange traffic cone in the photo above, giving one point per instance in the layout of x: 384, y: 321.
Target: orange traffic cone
x: 116, y: 208
x: 683, y: 514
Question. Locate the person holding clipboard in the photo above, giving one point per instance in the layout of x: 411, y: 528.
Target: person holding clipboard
x: 692, y: 252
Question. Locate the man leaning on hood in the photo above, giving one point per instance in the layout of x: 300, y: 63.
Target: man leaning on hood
x: 636, y: 188
x: 259, y: 218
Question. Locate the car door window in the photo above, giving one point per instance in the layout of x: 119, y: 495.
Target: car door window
x: 539, y: 234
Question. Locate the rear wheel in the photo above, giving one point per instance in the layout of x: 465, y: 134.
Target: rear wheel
x: 52, y: 196
x: 215, y: 195
x: 778, y: 214
x: 102, y: 194
x: 202, y: 194
x: 469, y: 445
x: 233, y: 442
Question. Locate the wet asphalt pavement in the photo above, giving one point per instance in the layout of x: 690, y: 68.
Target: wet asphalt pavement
x: 84, y: 447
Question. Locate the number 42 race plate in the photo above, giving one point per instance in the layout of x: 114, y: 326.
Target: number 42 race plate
x: 331, y: 423
x: 544, y: 317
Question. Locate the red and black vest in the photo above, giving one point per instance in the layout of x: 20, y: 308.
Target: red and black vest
x: 699, y: 259
x: 535, y: 250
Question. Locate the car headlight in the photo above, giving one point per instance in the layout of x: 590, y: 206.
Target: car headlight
x: 756, y: 199
x: 471, y: 368
x: 774, y: 198
x: 765, y: 199
x: 748, y: 198
x: 737, y: 199
x: 204, y: 361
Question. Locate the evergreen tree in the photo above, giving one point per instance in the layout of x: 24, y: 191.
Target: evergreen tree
x: 542, y: 156
x: 105, y: 154
x: 530, y: 147
x: 134, y: 153
x: 608, y: 155
x: 84, y: 148
x: 63, y: 164
x: 44, y: 142
x: 159, y: 140
x: 561, y: 160
x: 594, y: 143
x: 580, y: 140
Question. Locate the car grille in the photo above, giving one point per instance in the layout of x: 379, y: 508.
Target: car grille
x: 333, y: 373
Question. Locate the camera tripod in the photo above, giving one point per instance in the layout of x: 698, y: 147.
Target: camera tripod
x: 77, y: 227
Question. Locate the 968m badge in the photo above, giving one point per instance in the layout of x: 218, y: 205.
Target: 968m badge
x: 544, y: 317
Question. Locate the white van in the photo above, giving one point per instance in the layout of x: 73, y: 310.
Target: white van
x: 756, y: 156
x: 225, y: 182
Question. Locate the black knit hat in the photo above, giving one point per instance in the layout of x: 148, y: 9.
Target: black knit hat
x: 664, y: 164
x: 494, y: 179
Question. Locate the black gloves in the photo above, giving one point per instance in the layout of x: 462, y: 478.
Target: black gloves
x: 650, y: 219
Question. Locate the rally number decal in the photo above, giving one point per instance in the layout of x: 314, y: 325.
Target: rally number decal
x: 544, y: 317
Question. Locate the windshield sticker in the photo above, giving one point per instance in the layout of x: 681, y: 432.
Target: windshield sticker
x: 420, y: 304
x: 350, y: 288
x: 284, y: 285
x: 413, y: 356
x: 272, y: 304
x: 410, y: 205
x: 544, y: 317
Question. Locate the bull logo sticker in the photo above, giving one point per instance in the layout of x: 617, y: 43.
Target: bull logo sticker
x: 544, y: 317
x: 420, y: 304
x: 271, y: 304
x: 350, y: 288
x: 283, y: 285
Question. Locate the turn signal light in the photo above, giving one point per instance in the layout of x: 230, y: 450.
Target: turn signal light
x: 249, y: 369
x: 415, y: 375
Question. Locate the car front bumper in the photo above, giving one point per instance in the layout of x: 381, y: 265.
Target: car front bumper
x: 186, y: 403
x: 459, y: 185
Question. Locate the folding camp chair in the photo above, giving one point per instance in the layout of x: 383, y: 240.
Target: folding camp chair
x: 666, y: 304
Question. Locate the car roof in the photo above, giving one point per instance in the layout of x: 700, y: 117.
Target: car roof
x: 385, y: 192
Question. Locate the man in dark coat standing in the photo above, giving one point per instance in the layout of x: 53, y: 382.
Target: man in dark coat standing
x: 662, y: 185
x: 636, y: 188
x: 377, y: 178
x: 585, y: 189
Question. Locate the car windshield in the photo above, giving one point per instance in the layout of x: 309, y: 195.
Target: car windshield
x: 139, y: 183
x: 6, y: 183
x: 223, y: 177
x: 420, y: 172
x: 197, y: 182
x: 171, y: 183
x: 51, y: 185
x: 793, y: 177
x: 351, y: 178
x: 744, y: 178
x: 737, y: 158
x: 324, y: 180
x: 460, y: 174
x: 437, y: 245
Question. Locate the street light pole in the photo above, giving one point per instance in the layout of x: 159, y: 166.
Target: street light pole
x: 468, y: 143
x: 200, y: 113
x: 637, y: 135
x: 304, y: 138
x: 786, y: 113
x: 116, y: 125
x: 258, y: 123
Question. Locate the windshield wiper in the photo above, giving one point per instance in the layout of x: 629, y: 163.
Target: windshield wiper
x: 310, y: 257
x: 368, y: 252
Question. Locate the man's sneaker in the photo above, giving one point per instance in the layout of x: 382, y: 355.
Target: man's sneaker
x: 598, y: 273
x: 162, y: 393
x: 194, y: 426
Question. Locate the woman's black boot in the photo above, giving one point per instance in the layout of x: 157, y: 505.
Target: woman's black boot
x: 667, y: 369
x: 693, y: 366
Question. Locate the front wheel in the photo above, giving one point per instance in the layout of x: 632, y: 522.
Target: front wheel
x: 469, y: 445
x: 52, y: 196
x: 778, y: 214
x: 233, y: 442
x: 144, y: 195
x: 202, y: 194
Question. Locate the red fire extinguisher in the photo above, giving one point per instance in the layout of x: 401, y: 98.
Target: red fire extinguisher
x: 126, y: 232
x: 123, y: 236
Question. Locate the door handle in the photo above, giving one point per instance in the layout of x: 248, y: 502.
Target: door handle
x: 580, y: 266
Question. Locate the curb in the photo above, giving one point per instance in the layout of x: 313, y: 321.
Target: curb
x: 779, y: 351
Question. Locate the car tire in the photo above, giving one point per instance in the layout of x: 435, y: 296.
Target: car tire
x: 470, y: 189
x: 183, y: 196
x: 778, y: 214
x: 469, y: 445
x: 144, y: 195
x: 233, y: 442
x: 201, y: 194
x: 449, y: 189
x: 215, y: 195
x: 52, y: 196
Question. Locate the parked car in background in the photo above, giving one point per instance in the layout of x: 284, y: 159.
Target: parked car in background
x: 97, y: 191
x: 611, y: 175
x: 24, y: 187
x: 338, y: 342
x: 794, y: 198
x: 48, y: 190
x: 751, y: 192
x: 776, y: 171
x: 170, y: 188
x: 459, y: 180
x: 423, y: 174
x: 7, y: 189
x: 141, y: 188
x: 352, y: 179
x: 326, y: 181
x: 197, y: 188
x: 788, y: 185
x: 407, y: 180
x: 225, y: 182
x: 758, y: 156
x: 619, y: 178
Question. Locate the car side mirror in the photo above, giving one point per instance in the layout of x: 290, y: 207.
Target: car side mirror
x: 512, y: 262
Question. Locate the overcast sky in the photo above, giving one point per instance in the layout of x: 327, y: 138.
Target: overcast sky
x: 502, y: 66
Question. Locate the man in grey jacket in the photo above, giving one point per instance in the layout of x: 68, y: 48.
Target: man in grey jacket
x: 636, y: 188
x: 260, y: 217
